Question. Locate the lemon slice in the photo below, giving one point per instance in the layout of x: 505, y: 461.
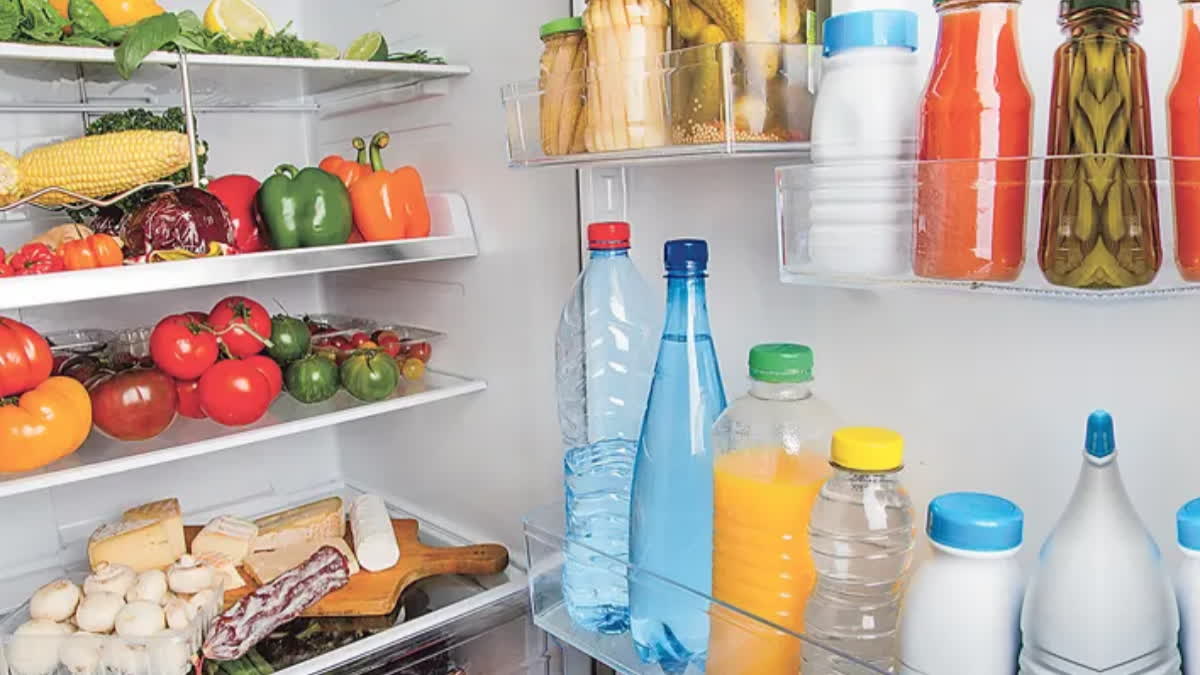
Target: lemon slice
x: 240, y: 19
x: 369, y: 47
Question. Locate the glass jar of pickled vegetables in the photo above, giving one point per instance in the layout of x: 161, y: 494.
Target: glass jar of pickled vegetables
x: 626, y: 91
x: 764, y: 79
x: 563, y: 86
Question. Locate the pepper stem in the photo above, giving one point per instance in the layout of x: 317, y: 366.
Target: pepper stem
x: 288, y: 170
x: 361, y: 146
x: 378, y: 143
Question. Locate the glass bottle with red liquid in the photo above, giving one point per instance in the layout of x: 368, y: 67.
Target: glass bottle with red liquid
x: 1183, y: 109
x: 974, y: 143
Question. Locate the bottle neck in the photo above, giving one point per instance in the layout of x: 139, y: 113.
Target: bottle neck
x: 781, y: 391
x: 1100, y: 20
x: 881, y: 478
x: 969, y: 5
x: 605, y: 253
x: 687, y: 305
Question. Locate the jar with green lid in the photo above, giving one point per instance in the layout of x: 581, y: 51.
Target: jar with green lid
x: 563, y: 87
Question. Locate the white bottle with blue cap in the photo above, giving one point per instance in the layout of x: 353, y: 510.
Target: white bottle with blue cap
x: 864, y: 132
x: 1187, y: 586
x: 962, y: 612
x: 1100, y: 601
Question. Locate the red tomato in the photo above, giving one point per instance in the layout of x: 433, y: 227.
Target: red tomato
x: 270, y: 370
x: 237, y: 192
x: 392, y: 349
x: 247, y: 322
x: 420, y: 350
x: 340, y: 343
x: 235, y: 393
x: 188, y: 392
x: 183, y: 348
x: 134, y: 405
x: 25, y: 358
x: 358, y: 339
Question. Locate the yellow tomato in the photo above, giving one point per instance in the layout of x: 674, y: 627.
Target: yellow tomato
x: 126, y: 12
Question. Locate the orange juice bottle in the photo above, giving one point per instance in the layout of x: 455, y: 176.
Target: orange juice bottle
x: 770, y: 465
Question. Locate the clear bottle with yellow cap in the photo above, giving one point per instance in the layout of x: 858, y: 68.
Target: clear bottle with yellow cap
x: 861, y: 534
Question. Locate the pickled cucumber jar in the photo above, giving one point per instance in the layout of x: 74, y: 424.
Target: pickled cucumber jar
x: 764, y: 78
x: 562, y: 84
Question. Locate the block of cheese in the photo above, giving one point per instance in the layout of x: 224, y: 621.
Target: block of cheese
x: 228, y: 536
x: 303, y: 524
x: 265, y: 566
x: 224, y: 567
x: 168, y: 513
x: 374, y: 536
x: 140, y: 544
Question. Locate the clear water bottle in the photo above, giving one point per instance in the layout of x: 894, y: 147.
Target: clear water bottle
x: 772, y: 459
x: 673, y: 479
x: 862, y: 543
x: 605, y: 361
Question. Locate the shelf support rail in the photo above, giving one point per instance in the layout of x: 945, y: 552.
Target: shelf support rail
x: 189, y: 117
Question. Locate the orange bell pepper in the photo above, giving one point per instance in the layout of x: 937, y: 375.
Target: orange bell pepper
x: 44, y: 425
x: 61, y: 6
x: 128, y: 12
x: 343, y: 168
x: 98, y: 250
x: 390, y: 205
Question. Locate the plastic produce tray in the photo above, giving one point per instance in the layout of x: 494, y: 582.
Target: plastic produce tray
x: 744, y: 634
x: 867, y: 194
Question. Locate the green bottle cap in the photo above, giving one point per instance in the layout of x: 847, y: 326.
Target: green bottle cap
x: 570, y: 24
x: 779, y: 363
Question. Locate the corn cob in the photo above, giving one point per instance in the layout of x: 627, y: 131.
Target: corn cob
x: 104, y: 165
x: 10, y: 179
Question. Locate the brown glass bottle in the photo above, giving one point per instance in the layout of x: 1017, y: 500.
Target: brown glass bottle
x: 1100, y: 226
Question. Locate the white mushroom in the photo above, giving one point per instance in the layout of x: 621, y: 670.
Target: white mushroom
x: 188, y: 576
x: 56, y: 601
x: 34, y: 647
x: 170, y: 654
x: 119, y: 656
x: 150, y: 586
x: 180, y: 613
x: 205, y: 603
x: 140, y: 619
x: 110, y: 578
x: 98, y: 611
x: 80, y: 653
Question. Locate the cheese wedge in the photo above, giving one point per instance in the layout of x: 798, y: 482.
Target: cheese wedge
x: 303, y: 524
x: 227, y: 536
x: 265, y: 566
x: 167, y: 512
x: 140, y: 544
x: 224, y: 567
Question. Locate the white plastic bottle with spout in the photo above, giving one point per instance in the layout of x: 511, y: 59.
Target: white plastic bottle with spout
x: 1187, y: 586
x: 1100, y: 601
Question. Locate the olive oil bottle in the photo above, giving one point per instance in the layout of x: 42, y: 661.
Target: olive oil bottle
x: 1100, y: 223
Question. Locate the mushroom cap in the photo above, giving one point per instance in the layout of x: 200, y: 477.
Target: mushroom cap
x: 97, y: 612
x: 150, y: 586
x: 55, y: 601
x: 140, y: 619
x: 80, y: 653
x: 189, y: 576
x: 34, y: 647
x: 110, y: 578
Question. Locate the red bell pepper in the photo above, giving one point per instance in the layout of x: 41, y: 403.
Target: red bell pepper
x: 390, y: 205
x: 36, y: 259
x: 5, y: 270
x: 237, y: 193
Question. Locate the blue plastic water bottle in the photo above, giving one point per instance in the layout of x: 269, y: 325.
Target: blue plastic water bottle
x: 671, y: 535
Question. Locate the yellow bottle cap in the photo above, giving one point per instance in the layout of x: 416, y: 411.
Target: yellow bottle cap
x: 867, y: 449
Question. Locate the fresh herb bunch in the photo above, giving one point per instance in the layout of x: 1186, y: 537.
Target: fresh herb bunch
x: 419, y: 56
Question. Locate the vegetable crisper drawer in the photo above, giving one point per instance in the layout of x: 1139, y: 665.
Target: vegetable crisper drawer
x: 738, y: 641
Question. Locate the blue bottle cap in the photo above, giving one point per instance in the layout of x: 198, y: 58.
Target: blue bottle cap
x: 1101, y: 440
x: 1187, y: 525
x: 873, y: 28
x: 970, y: 521
x: 686, y: 255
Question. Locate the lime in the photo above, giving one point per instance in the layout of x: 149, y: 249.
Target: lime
x: 325, y: 51
x: 369, y: 47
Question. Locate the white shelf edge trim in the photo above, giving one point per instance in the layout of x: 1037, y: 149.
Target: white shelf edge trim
x: 454, y: 238
x: 281, y: 421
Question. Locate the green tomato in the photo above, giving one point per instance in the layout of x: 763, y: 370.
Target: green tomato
x: 312, y: 379
x: 291, y: 339
x: 370, y: 375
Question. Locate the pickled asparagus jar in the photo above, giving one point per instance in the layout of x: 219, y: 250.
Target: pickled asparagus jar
x: 563, y: 87
x: 1100, y: 223
x: 765, y: 82
x: 626, y: 95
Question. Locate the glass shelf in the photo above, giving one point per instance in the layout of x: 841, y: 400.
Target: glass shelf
x: 858, y: 225
x: 697, y: 103
x: 744, y: 644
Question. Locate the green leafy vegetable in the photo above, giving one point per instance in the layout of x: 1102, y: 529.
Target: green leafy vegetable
x: 88, y: 18
x: 148, y: 35
x: 419, y: 56
x: 10, y: 19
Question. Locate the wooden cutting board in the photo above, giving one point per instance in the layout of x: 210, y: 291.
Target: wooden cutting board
x: 377, y: 593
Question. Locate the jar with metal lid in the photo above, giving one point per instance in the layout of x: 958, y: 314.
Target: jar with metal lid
x: 563, y: 87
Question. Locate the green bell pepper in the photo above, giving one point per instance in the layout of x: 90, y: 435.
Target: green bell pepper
x: 305, y: 208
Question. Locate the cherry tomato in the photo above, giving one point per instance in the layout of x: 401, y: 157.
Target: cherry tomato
x: 413, y: 370
x: 420, y: 350
x: 383, y: 337
x: 183, y: 348
x: 189, y: 399
x: 247, y: 322
x: 392, y: 349
x: 367, y: 345
x: 341, y: 343
x: 271, y: 371
x: 235, y: 393
x: 358, y: 339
